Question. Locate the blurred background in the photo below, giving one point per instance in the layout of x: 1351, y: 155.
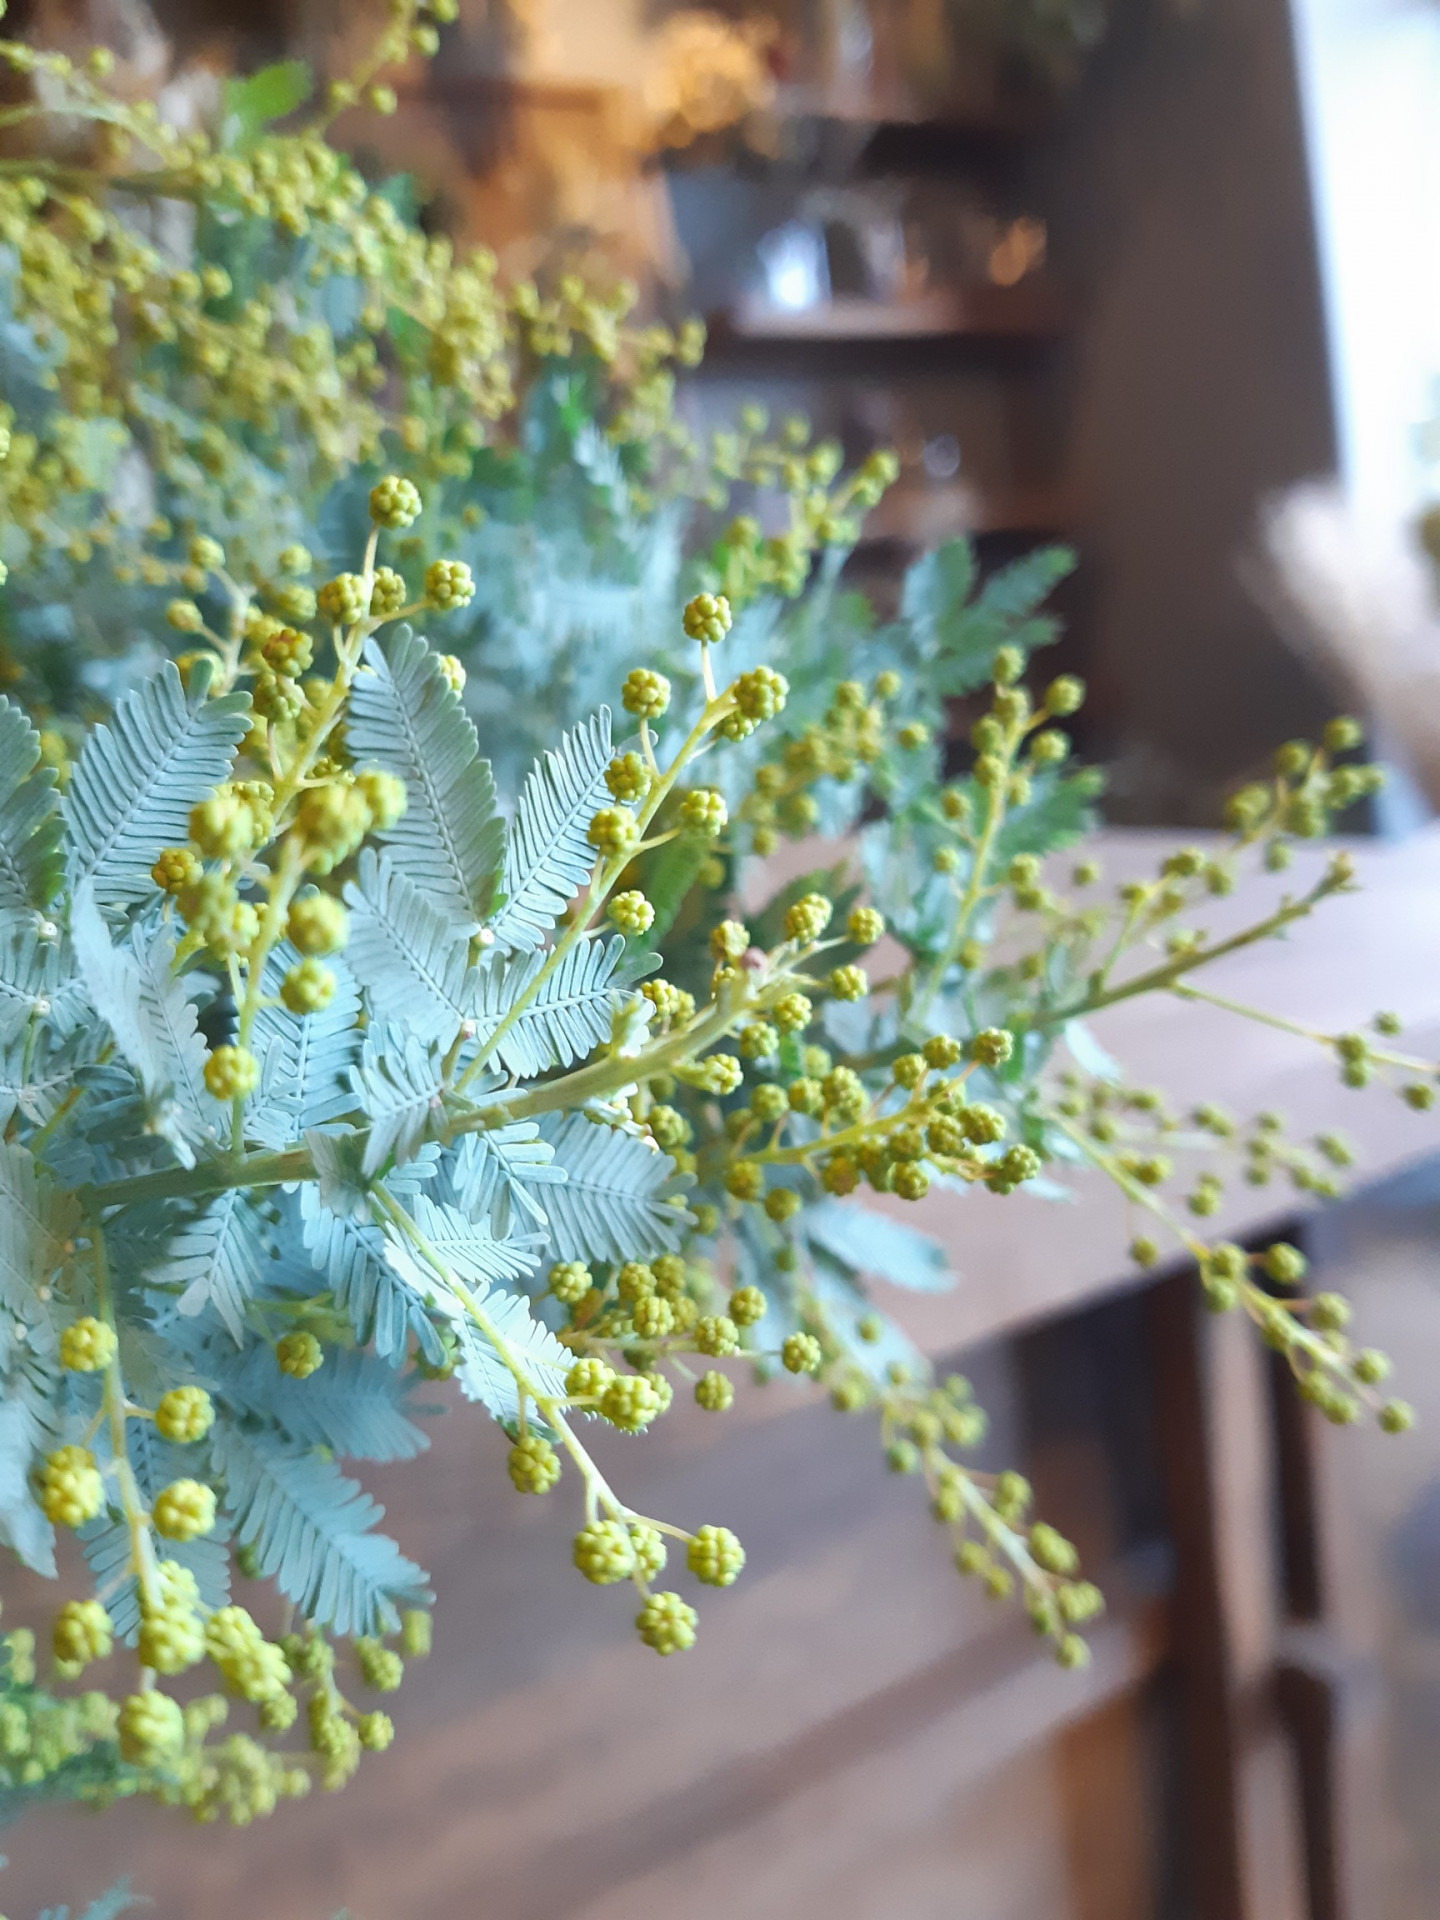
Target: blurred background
x: 1160, y: 279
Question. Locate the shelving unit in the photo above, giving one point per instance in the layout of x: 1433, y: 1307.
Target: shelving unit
x: 964, y: 360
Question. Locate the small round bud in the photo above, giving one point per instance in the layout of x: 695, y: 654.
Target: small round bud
x: 715, y: 1557
x: 83, y: 1631
x: 614, y: 831
x: 185, y: 617
x: 317, y: 924
x: 184, y: 1510
x: 299, y: 1354
x: 231, y: 1073
x: 801, y: 1353
x: 449, y: 584
x: 645, y: 693
x: 603, y: 1552
x: 184, y: 1415
x: 666, y: 1623
x: 630, y: 1402
x: 1284, y: 1264
x: 394, y: 503
x: 707, y: 618
x: 570, y: 1281
x: 533, y: 1464
x: 714, y: 1392
x: 308, y: 988
x: 1065, y: 695
x: 704, y: 811
x: 632, y: 913
x: 848, y: 983
x: 992, y: 1046
x: 87, y: 1345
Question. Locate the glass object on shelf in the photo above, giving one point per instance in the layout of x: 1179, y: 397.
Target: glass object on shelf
x: 846, y: 57
x: 865, y: 241
x: 1019, y: 251
x: 795, y: 267
x: 940, y: 457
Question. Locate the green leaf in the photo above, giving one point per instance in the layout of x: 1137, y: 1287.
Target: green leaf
x: 27, y: 1429
x: 35, y: 1221
x: 249, y: 106
x: 547, y: 855
x: 215, y: 1260
x: 471, y: 1251
x: 354, y: 1406
x: 30, y: 859
x: 613, y: 1204
x: 139, y: 776
x: 398, y: 1083
x: 874, y: 1243
x: 1059, y: 812
x: 964, y: 635
x: 410, y: 960
x: 566, y: 1020
x: 34, y: 1081
x: 110, y: 1905
x: 405, y: 719
x: 30, y: 976
x: 313, y: 1533
x: 479, y: 1263
x: 490, y: 1175
x: 938, y: 586
x: 305, y: 1061
x: 350, y: 1257
x: 144, y: 1004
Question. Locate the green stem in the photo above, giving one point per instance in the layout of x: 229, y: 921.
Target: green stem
x: 114, y: 1405
x: 1170, y: 971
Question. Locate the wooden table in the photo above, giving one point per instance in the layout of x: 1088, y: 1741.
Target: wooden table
x: 857, y: 1734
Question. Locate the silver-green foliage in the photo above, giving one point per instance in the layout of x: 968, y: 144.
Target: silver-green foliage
x: 202, y: 1282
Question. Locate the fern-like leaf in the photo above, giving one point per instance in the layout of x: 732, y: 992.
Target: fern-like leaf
x: 398, y: 1084
x: 408, y: 957
x: 547, y: 854
x: 139, y: 776
x: 355, y: 1405
x: 35, y: 1221
x: 110, y: 1905
x: 305, y: 1062
x: 469, y: 1250
x: 405, y: 718
x: 567, y: 1019
x: 491, y: 1173
x: 312, y: 1530
x: 136, y: 992
x: 27, y: 1429
x: 34, y: 1081
x: 612, y: 1205
x: 30, y: 860
x: 512, y: 1338
x: 215, y: 1261
x: 350, y: 1258
x: 30, y: 975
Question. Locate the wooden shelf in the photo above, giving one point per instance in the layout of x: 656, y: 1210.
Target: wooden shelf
x: 1033, y: 310
x: 916, y: 515
x: 997, y: 121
